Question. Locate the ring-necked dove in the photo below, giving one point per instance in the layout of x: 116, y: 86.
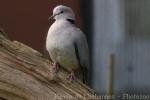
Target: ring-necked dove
x: 67, y: 44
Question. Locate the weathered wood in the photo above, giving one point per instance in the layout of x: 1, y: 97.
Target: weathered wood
x: 26, y: 75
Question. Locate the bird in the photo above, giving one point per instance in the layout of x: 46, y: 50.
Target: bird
x: 67, y: 45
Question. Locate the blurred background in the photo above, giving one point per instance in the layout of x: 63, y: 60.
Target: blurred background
x: 118, y: 34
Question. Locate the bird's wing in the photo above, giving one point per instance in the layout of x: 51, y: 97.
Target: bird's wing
x: 82, y: 54
x: 82, y: 50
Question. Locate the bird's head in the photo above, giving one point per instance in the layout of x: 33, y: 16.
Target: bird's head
x: 62, y: 12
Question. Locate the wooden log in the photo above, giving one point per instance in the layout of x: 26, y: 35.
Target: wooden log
x: 26, y: 75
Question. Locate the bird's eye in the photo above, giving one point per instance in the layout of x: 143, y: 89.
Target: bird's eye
x: 61, y: 12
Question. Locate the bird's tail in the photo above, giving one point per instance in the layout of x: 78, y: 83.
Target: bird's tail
x: 84, y: 75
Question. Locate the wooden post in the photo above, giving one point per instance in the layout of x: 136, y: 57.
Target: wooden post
x: 110, y: 82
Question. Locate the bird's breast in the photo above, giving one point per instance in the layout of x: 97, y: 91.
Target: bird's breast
x: 62, y: 51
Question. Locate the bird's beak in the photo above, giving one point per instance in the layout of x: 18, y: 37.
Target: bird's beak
x: 51, y: 17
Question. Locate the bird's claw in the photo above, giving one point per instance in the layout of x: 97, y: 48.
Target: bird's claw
x: 71, y: 77
x: 55, y: 66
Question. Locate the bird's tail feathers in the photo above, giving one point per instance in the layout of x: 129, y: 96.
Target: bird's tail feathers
x: 84, y: 75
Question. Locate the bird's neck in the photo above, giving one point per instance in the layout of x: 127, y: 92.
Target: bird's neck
x: 71, y: 21
x: 64, y: 22
x: 60, y: 24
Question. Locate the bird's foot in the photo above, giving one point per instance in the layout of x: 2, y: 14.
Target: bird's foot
x: 71, y: 77
x: 55, y: 66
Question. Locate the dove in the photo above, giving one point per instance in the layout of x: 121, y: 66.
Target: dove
x: 67, y: 45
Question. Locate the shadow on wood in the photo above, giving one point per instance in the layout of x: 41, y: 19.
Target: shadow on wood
x: 26, y: 75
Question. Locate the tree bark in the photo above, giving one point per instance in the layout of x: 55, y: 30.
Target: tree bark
x: 26, y: 75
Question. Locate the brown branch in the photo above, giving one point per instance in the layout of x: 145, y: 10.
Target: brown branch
x: 26, y: 75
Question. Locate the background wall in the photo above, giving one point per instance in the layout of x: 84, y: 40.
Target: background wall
x: 121, y: 27
x: 138, y: 48
x: 108, y: 38
x: 27, y: 20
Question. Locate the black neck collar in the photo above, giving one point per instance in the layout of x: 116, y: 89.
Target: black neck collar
x: 71, y: 21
